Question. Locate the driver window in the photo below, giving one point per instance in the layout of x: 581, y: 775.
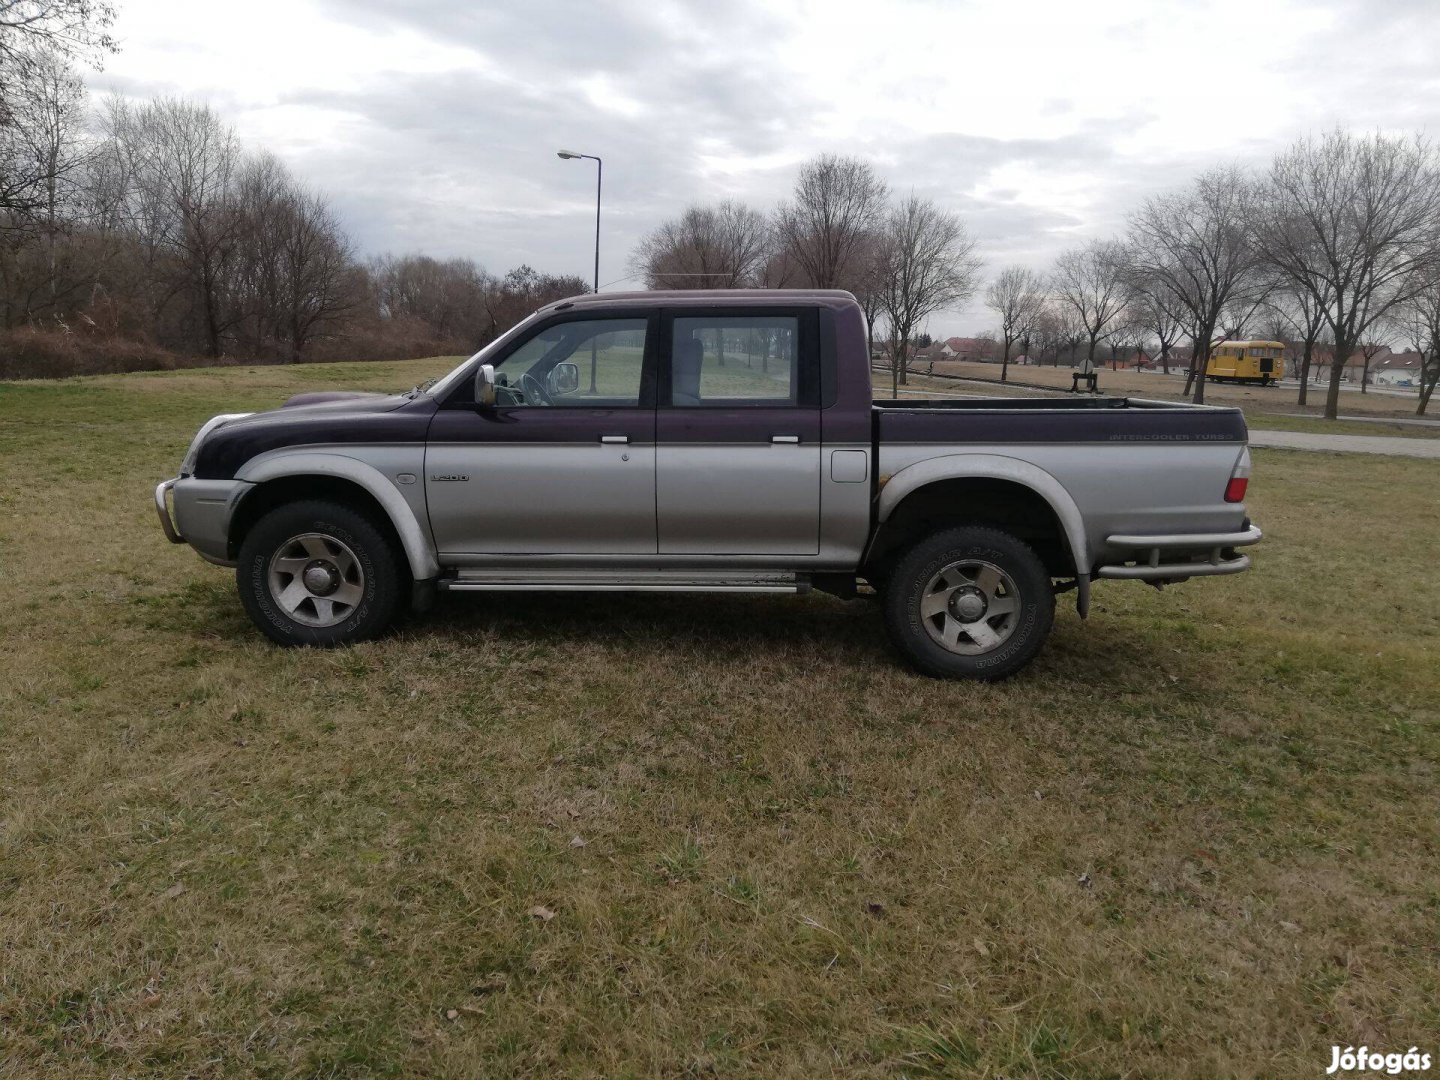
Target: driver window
x: 596, y: 362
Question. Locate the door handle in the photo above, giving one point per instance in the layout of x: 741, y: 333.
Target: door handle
x: 614, y: 438
x: 784, y: 438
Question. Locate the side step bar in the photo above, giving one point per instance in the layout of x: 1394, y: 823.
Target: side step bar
x: 623, y: 580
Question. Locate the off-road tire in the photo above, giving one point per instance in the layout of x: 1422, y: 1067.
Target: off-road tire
x: 376, y: 562
x: 916, y: 571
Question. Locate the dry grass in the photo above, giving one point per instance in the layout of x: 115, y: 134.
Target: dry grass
x: 1197, y: 838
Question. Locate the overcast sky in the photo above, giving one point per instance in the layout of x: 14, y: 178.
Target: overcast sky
x: 433, y: 124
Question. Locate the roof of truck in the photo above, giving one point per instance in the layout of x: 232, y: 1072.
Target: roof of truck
x: 712, y: 297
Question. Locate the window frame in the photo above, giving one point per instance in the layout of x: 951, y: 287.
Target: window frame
x: 463, y: 396
x: 807, y: 354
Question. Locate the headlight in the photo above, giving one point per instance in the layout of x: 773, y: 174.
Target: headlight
x: 187, y: 466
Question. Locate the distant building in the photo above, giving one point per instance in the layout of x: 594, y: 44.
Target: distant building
x: 1397, y: 369
x: 970, y: 350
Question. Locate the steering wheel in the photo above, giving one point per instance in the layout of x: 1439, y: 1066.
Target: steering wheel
x: 534, y: 391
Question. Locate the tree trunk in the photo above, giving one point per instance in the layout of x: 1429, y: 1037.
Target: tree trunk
x: 1427, y: 384
x: 1332, y: 394
x: 1200, y: 364
x: 1005, y: 361
x: 1165, y: 357
x: 1305, y: 372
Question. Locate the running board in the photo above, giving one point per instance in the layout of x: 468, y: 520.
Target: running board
x: 490, y: 579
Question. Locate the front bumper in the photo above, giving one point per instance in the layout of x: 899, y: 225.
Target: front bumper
x: 1181, y: 555
x: 162, y: 507
x: 198, y: 513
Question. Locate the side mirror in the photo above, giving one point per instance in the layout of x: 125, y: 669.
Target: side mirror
x: 485, y: 385
x: 563, y: 379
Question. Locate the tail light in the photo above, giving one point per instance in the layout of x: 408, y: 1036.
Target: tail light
x: 1239, y: 478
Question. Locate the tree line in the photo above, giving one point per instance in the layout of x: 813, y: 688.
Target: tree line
x: 138, y: 234
x: 1335, y: 246
x: 905, y: 259
x: 141, y: 232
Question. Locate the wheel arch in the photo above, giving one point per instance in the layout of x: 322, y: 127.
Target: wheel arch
x: 980, y: 489
x: 349, y: 481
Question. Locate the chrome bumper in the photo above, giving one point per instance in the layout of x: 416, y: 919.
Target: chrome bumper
x: 162, y: 507
x: 1201, y: 555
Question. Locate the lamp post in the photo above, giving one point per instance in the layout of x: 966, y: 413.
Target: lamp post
x: 570, y: 155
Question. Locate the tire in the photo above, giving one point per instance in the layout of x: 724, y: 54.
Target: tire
x: 321, y: 574
x: 977, y: 570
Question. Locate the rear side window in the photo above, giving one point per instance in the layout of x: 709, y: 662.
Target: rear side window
x: 735, y: 360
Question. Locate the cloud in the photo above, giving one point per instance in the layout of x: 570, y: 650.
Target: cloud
x: 433, y: 124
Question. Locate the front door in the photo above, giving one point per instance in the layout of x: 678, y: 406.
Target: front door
x: 737, y: 468
x: 564, y: 462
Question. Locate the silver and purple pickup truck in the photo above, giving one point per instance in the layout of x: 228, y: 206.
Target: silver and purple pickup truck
x: 709, y: 442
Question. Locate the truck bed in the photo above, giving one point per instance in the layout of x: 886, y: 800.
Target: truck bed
x: 1049, y: 420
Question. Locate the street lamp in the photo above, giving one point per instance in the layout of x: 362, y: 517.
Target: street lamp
x: 570, y: 155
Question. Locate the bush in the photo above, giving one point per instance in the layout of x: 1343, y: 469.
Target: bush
x: 30, y: 352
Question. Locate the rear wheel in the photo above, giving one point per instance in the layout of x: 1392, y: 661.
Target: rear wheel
x: 317, y: 573
x: 972, y: 602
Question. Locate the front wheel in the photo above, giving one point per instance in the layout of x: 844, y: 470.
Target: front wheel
x: 317, y: 573
x: 969, y: 603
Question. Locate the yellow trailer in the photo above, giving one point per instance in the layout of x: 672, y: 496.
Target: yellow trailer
x: 1260, y: 362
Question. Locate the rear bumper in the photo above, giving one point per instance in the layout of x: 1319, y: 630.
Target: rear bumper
x: 198, y: 513
x: 1180, y: 555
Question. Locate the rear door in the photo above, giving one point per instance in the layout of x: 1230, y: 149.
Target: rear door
x: 737, y: 432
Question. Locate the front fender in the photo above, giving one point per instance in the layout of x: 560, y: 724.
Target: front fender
x: 992, y: 467
x: 419, y: 551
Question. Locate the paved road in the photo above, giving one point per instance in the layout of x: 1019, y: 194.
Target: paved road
x: 1404, y: 421
x: 1347, y: 444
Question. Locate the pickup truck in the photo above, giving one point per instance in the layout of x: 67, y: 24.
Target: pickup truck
x: 715, y: 441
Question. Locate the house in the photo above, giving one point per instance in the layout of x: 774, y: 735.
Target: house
x: 1322, y: 355
x: 970, y: 350
x: 1397, y: 369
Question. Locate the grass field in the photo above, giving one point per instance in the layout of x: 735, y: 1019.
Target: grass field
x: 1265, y: 407
x: 600, y: 836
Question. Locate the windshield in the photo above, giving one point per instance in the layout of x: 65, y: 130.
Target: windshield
x: 466, y: 369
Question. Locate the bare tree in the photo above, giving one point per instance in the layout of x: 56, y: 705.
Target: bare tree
x: 1017, y: 296
x: 1089, y: 280
x: 1419, y: 321
x: 37, y: 39
x: 1193, y: 246
x: 1303, y: 319
x: 725, y: 246
x: 831, y: 219
x: 293, y: 261
x: 930, y: 266
x: 1354, y: 221
x: 42, y: 155
x: 75, y: 29
x: 178, y: 161
x: 1128, y: 332
x: 1158, y: 313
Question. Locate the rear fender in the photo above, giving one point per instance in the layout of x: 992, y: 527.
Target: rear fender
x: 996, y: 467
